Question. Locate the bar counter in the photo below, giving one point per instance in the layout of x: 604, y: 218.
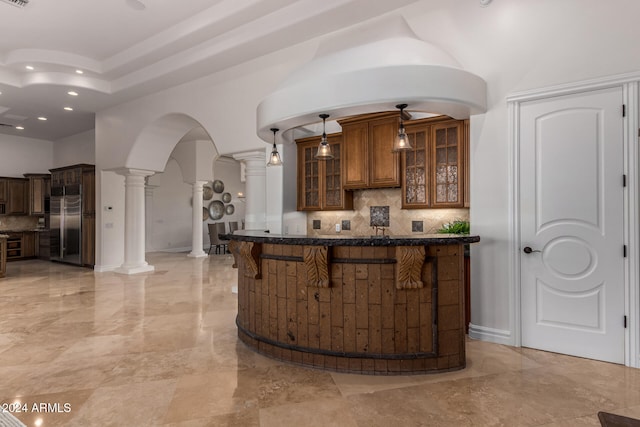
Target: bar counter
x: 371, y: 305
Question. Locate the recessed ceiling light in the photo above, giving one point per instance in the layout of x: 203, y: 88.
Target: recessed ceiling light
x: 72, y: 93
x: 79, y: 72
x: 20, y: 127
x: 68, y: 108
x: 29, y: 67
x: 42, y: 118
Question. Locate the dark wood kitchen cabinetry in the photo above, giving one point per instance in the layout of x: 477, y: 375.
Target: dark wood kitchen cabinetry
x: 21, y: 245
x: 14, y: 196
x: 368, y: 151
x: 320, y: 181
x: 434, y: 171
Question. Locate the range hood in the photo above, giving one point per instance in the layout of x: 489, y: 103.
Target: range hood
x: 368, y: 69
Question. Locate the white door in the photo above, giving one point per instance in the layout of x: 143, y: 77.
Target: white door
x: 571, y: 211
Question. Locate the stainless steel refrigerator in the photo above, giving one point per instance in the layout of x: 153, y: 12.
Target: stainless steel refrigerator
x: 66, y: 224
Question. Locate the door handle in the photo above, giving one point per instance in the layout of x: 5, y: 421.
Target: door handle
x: 528, y: 250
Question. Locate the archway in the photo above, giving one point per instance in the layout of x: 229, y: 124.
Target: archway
x: 148, y: 155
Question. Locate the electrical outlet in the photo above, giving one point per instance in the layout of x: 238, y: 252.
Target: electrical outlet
x: 338, y: 228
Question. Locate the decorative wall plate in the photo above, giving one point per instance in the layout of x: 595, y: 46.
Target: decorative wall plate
x: 218, y: 186
x: 226, y: 197
x: 229, y: 209
x: 216, y: 209
x: 207, y: 192
x: 205, y: 214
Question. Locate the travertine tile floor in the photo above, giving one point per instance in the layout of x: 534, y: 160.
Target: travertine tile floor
x: 161, y: 349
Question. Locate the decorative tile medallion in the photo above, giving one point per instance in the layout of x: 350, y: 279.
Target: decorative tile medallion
x: 379, y: 216
x: 317, y: 224
x: 417, y: 226
x: 346, y: 224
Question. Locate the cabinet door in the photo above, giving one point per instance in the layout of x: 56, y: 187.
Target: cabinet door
x: 415, y: 170
x: 36, y: 199
x: 28, y: 244
x: 88, y: 240
x: 384, y: 170
x: 3, y: 190
x: 308, y: 177
x: 333, y: 195
x: 17, y: 203
x: 355, y: 155
x: 88, y: 192
x: 447, y: 165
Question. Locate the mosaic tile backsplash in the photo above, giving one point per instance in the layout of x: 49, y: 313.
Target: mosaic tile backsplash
x: 401, y: 221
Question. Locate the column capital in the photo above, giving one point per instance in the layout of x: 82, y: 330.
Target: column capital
x: 133, y: 172
x: 251, y: 155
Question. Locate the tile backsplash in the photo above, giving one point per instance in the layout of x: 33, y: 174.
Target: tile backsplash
x: 401, y: 221
x: 18, y: 223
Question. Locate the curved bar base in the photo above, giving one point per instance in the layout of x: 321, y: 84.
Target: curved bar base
x: 383, y: 310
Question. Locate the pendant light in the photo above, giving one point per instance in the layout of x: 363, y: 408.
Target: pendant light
x: 401, y: 142
x: 324, y: 149
x: 274, y: 159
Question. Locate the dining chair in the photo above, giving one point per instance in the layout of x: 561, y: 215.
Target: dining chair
x: 215, y: 229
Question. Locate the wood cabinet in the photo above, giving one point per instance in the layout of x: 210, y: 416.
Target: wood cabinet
x: 21, y: 245
x: 434, y: 171
x: 28, y: 244
x: 3, y: 256
x: 88, y: 240
x: 320, y: 181
x: 38, y: 189
x: 3, y: 191
x: 14, y: 196
x: 368, y: 151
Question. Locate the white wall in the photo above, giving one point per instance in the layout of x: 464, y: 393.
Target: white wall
x: 19, y: 155
x: 226, y: 170
x: 75, y: 149
x: 171, y: 212
x: 513, y: 45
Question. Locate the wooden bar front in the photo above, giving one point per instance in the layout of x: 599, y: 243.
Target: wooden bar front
x: 363, y: 309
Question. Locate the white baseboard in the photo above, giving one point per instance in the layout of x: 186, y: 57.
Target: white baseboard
x: 175, y: 250
x: 483, y: 333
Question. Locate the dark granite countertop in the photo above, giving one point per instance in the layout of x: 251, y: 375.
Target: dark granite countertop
x: 342, y: 240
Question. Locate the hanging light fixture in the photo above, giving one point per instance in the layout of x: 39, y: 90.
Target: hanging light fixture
x: 401, y: 142
x: 324, y: 149
x: 274, y: 159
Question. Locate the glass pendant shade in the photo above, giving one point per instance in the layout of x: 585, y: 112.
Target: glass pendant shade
x: 401, y: 143
x: 324, y: 149
x: 274, y: 158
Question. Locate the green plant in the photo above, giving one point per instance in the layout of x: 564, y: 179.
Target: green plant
x: 459, y: 226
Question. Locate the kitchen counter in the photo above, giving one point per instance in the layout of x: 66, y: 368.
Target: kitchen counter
x: 375, y: 305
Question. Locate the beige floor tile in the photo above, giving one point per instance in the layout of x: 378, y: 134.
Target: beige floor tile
x: 162, y: 349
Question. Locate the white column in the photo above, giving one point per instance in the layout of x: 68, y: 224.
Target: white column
x: 134, y: 222
x: 148, y: 213
x: 196, y: 235
x: 255, y: 189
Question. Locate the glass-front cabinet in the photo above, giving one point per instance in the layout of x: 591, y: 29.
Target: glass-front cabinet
x: 433, y: 169
x: 320, y: 184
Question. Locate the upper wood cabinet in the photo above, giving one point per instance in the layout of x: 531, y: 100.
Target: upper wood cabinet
x: 434, y: 171
x: 368, y: 156
x: 38, y: 188
x: 320, y: 181
x: 14, y: 196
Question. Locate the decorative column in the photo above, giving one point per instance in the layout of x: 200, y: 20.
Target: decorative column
x: 255, y: 201
x: 134, y: 221
x: 148, y: 213
x: 196, y: 236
